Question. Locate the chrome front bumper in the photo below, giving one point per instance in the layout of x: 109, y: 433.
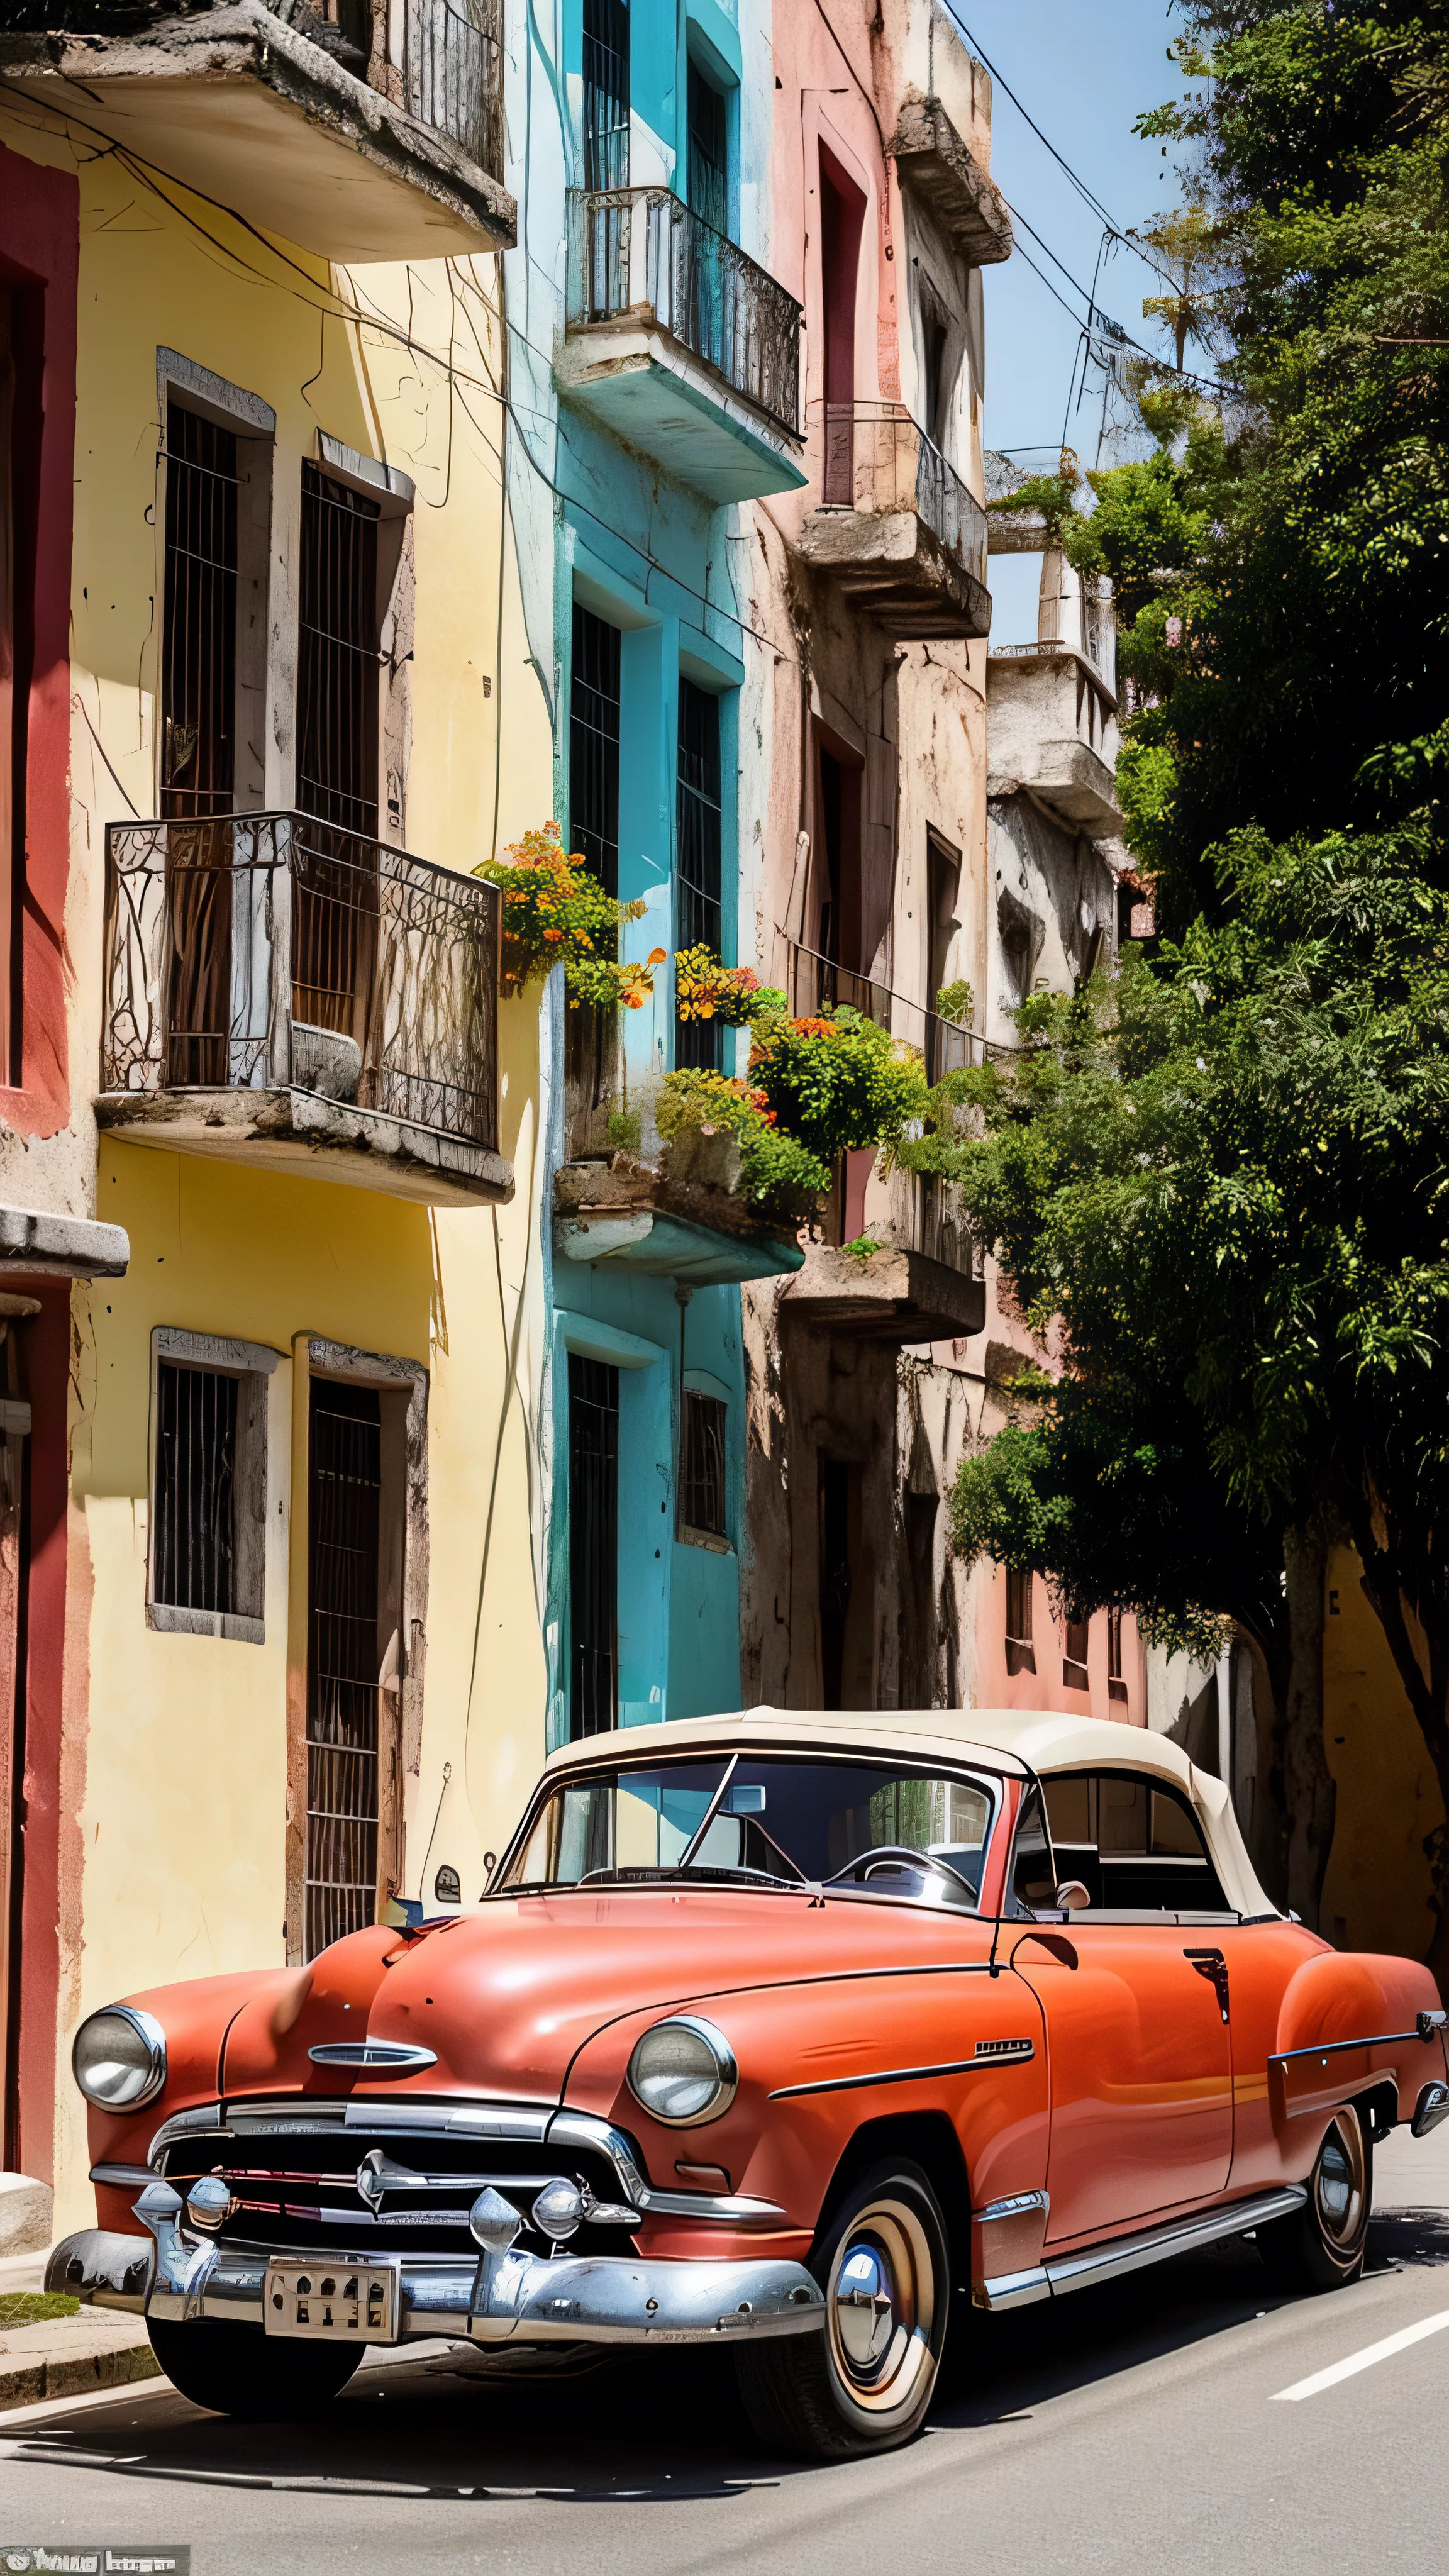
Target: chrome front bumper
x: 502, y: 2298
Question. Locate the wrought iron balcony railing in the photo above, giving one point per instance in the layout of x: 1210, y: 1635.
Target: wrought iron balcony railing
x: 270, y: 952
x: 642, y: 253
x: 877, y: 459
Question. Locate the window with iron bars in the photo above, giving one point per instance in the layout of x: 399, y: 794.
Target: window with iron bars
x: 198, y: 624
x: 703, y: 1426
x: 699, y: 867
x: 338, y: 671
x: 606, y: 94
x: 208, y: 1510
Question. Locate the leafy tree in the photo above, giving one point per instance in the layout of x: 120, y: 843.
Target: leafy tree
x: 1220, y: 1186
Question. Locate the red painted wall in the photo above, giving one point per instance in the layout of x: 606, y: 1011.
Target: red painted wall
x: 45, y: 1342
x: 40, y: 249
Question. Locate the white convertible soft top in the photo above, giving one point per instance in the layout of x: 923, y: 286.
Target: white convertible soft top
x: 1014, y: 1740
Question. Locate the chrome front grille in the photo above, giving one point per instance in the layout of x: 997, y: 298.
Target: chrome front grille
x: 375, y: 2189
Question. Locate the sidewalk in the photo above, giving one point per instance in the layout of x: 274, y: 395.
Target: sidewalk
x: 65, y: 2356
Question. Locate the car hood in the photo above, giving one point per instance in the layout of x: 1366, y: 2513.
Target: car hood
x: 504, y: 1998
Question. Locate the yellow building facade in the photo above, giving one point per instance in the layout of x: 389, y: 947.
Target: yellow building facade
x: 277, y: 1645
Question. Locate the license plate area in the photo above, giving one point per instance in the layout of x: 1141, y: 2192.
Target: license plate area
x: 342, y: 2302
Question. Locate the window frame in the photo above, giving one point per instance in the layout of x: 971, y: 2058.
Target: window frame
x: 253, y: 1365
x: 1143, y: 1918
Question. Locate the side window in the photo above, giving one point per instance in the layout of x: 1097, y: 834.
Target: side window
x: 1033, y: 1863
x: 1135, y: 1844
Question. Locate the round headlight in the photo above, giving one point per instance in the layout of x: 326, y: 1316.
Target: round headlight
x: 683, y: 2071
x: 119, y: 2058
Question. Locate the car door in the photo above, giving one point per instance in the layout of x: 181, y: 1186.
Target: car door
x: 1135, y: 2003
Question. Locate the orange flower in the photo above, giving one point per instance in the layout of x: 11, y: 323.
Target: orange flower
x: 553, y: 934
x: 656, y: 956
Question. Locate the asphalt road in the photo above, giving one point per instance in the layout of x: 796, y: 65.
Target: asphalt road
x: 1139, y: 2427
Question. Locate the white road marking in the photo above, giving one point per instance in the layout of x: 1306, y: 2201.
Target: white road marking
x: 1365, y: 2360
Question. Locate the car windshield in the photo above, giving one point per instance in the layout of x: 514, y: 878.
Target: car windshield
x: 869, y: 1827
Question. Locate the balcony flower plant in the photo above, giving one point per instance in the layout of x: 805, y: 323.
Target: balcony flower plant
x: 750, y: 1155
x: 706, y: 990
x: 837, y: 1082
x: 556, y: 913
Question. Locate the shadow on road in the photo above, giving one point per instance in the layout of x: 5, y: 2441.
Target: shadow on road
x: 666, y: 2427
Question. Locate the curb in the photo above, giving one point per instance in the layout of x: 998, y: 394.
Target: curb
x: 80, y: 2374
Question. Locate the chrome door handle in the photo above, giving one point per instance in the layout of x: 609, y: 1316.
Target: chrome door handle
x: 1212, y: 1965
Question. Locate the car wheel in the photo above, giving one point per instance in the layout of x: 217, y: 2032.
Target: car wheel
x: 1322, y: 2245
x: 239, y: 2370
x: 865, y: 2382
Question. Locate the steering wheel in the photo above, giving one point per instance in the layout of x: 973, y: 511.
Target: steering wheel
x: 924, y: 1861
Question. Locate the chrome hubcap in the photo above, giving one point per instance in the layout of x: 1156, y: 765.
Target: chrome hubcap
x: 880, y: 2305
x: 1340, y: 2183
x: 864, y: 2306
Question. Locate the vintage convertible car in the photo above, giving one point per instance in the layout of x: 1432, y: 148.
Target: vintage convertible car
x: 781, y: 2032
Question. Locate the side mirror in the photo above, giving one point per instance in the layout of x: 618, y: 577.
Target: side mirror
x: 1072, y: 1896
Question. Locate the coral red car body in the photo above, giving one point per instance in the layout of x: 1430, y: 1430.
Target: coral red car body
x: 1089, y: 2078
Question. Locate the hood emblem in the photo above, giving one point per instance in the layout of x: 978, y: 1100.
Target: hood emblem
x: 391, y: 2056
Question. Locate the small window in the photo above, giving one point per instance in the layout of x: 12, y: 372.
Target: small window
x: 208, y: 1521
x: 702, y: 1469
x: 1116, y: 1686
x: 1020, y: 1657
x: 1074, y: 1662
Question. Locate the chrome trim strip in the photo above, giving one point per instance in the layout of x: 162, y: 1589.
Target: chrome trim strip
x: 1335, y: 2047
x: 1180, y: 2236
x: 389, y: 2056
x: 1019, y: 2051
x: 522, y: 2122
x: 712, y: 2209
x: 1013, y: 2290
x: 122, y: 2177
x: 206, y: 2116
x: 1016, y: 2207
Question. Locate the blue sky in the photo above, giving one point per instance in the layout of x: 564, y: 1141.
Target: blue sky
x: 1084, y: 69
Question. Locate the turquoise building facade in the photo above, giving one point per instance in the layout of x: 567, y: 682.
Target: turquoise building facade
x: 653, y: 387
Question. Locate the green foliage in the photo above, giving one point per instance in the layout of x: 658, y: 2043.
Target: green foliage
x: 626, y: 1130
x: 1221, y: 1183
x: 862, y: 1247
x: 955, y: 1002
x: 777, y: 1172
x: 837, y: 1082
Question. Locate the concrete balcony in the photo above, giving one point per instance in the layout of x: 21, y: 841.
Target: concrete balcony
x: 933, y: 160
x: 919, y: 1283
x: 626, y: 1214
x: 681, y: 346
x: 285, y: 994
x: 262, y: 105
x: 897, y: 530
x: 1051, y: 727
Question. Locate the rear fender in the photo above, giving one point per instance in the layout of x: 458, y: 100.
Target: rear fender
x: 1349, y: 2028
